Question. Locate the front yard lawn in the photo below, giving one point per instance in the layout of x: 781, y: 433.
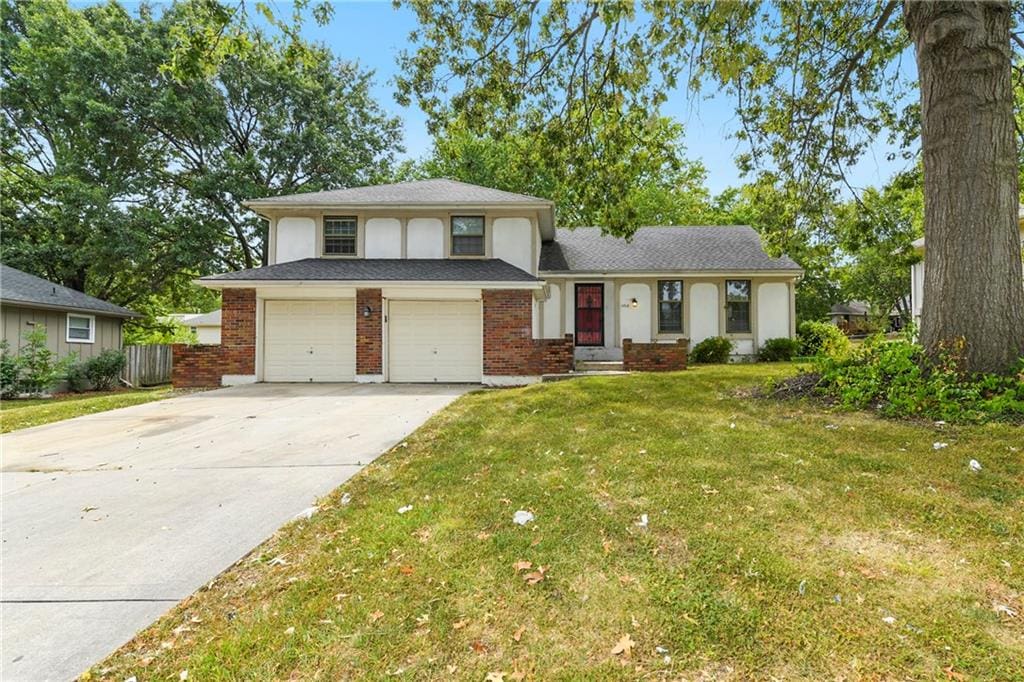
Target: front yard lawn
x: 21, y: 414
x: 682, y: 530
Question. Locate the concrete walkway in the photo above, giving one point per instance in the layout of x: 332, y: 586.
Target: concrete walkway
x: 110, y: 519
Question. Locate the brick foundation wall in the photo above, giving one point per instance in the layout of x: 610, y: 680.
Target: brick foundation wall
x: 509, y: 346
x: 203, y: 366
x: 369, y: 330
x: 654, y: 357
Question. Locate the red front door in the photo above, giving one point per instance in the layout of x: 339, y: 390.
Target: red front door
x: 589, y: 314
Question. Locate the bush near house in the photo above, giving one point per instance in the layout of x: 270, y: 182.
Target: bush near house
x: 781, y: 349
x: 815, y: 336
x: 713, y: 350
x: 35, y: 369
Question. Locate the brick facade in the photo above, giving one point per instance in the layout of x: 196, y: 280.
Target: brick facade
x: 204, y: 365
x: 654, y: 357
x: 369, y: 332
x: 509, y: 346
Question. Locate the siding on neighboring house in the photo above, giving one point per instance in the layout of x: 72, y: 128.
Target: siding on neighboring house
x: 16, y: 320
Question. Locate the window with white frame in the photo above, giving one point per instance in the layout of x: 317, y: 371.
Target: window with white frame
x: 670, y: 306
x: 467, y: 235
x: 340, y: 235
x: 81, y: 328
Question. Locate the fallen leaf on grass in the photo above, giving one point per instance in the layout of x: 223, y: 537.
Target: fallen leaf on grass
x: 536, y: 576
x: 607, y: 546
x: 478, y: 646
x: 290, y: 631
x: 518, y: 634
x: 495, y: 677
x: 624, y: 647
x: 626, y: 580
x: 483, y: 535
x: 376, y: 615
x: 952, y: 674
x: 459, y: 624
x: 405, y: 570
x: 522, y: 565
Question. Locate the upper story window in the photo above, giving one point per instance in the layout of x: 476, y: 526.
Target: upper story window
x: 340, y: 235
x: 670, y: 306
x: 81, y: 328
x: 737, y: 306
x: 468, y: 235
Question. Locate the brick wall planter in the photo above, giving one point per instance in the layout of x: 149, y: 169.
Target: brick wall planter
x: 206, y: 365
x: 654, y: 357
x: 509, y: 347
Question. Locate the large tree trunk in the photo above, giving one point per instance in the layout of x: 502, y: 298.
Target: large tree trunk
x: 972, y: 283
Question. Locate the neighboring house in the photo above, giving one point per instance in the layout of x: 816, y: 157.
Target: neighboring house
x: 443, y: 281
x: 206, y: 326
x: 853, y: 316
x: 850, y: 314
x: 76, y: 324
x: 917, y: 271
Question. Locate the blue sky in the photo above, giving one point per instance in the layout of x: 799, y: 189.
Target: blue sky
x: 374, y: 33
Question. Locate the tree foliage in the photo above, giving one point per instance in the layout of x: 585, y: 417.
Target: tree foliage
x: 815, y: 83
x: 127, y: 150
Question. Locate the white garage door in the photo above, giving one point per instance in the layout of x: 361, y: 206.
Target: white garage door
x: 435, y: 341
x: 309, y: 341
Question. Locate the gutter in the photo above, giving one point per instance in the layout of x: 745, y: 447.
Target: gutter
x: 129, y: 314
x: 365, y: 284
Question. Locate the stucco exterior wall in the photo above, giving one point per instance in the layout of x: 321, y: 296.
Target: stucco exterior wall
x: 17, y: 320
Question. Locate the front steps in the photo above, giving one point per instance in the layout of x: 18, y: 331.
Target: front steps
x: 599, y: 366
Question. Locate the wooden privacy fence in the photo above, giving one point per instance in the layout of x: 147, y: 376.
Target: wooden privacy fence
x: 147, y: 365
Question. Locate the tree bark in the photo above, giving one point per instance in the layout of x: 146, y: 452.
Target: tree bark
x: 973, y: 283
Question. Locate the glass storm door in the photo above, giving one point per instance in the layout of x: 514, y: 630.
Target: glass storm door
x: 589, y: 314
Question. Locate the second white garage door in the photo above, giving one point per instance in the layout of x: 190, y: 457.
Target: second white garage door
x: 432, y: 341
x: 309, y: 341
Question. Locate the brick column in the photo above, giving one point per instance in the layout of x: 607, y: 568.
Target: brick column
x: 508, y: 332
x: 369, y: 335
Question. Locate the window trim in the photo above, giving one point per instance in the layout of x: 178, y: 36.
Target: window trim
x: 750, y: 307
x: 92, y: 328
x: 451, y: 236
x: 659, y: 300
x: 323, y: 236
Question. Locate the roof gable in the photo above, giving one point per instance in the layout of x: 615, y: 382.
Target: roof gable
x: 21, y: 288
x: 732, y: 248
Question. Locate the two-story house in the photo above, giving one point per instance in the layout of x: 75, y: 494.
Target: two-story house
x: 441, y: 281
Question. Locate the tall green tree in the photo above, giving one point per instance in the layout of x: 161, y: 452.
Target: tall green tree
x: 815, y: 83
x: 658, y: 184
x: 124, y: 177
x: 876, y: 233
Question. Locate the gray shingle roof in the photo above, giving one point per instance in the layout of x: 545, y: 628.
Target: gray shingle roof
x: 383, y: 270
x: 210, y: 319
x: 731, y: 248
x: 419, y: 193
x: 21, y: 288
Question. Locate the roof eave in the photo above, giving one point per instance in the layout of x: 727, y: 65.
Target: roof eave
x: 791, y: 272
x: 127, y: 314
x: 370, y: 283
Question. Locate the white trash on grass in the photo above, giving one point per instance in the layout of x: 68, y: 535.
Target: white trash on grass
x: 974, y: 465
x: 522, y: 517
x: 939, y: 445
x: 642, y: 523
x: 406, y: 508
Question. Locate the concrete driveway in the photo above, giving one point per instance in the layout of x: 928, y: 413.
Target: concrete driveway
x: 112, y: 518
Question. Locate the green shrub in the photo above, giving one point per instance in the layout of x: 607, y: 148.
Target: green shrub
x: 715, y: 349
x: 9, y: 372
x: 38, y: 367
x: 77, y: 378
x: 104, y: 370
x: 815, y: 335
x: 899, y: 380
x: 781, y: 349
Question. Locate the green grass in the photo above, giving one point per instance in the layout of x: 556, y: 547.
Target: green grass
x: 782, y: 539
x: 21, y: 414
